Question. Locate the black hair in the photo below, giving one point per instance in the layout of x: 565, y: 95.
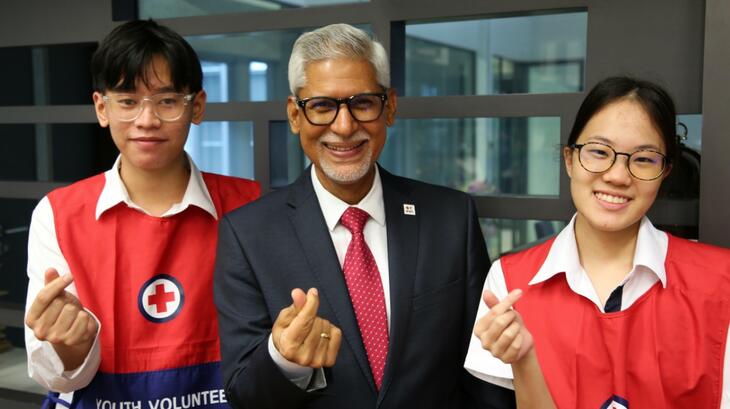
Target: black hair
x: 656, y: 102
x: 125, y: 55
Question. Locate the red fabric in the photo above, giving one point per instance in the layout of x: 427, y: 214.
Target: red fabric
x: 665, y: 351
x: 366, y: 292
x: 113, y: 257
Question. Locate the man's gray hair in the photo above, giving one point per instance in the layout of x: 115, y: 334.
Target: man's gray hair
x: 332, y: 42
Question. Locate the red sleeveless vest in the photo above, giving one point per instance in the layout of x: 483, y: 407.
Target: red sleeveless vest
x: 665, y: 351
x: 149, y: 281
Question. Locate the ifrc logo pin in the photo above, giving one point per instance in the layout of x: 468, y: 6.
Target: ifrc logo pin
x: 409, y: 209
x: 161, y: 298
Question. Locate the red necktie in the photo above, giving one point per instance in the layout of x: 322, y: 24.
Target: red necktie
x: 366, y: 293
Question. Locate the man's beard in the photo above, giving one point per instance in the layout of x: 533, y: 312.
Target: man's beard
x: 347, y: 173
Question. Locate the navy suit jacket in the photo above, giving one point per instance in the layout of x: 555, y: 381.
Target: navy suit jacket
x: 437, y: 261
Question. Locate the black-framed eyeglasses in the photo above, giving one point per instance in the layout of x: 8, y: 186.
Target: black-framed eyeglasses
x: 644, y: 164
x: 167, y: 106
x: 323, y: 110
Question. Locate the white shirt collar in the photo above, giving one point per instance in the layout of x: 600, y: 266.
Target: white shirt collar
x: 115, y: 192
x: 651, y: 250
x: 333, y: 207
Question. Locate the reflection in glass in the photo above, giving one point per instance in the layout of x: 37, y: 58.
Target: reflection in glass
x: 14, y: 221
x: 257, y: 70
x: 693, y: 134
x: 482, y: 156
x: 248, y: 66
x: 187, y: 8
x: 222, y: 147
x: 503, y: 235
x: 530, y: 54
x: 54, y: 152
x: 287, y: 159
x: 683, y: 181
x: 536, y: 54
x: 218, y: 146
x: 46, y: 75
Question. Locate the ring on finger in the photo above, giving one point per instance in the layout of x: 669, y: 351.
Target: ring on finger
x: 324, y: 335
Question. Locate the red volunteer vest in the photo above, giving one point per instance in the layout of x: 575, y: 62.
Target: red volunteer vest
x: 147, y: 279
x: 664, y: 351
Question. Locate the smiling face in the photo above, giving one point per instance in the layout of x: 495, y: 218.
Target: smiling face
x: 148, y: 143
x: 614, y: 201
x: 345, y: 151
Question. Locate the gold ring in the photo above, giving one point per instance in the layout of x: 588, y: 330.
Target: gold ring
x: 324, y: 335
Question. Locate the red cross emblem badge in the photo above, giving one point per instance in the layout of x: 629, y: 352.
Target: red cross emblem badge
x: 615, y: 402
x: 161, y: 298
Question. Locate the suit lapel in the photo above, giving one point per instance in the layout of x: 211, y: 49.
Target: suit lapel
x: 402, y: 259
x: 311, y: 230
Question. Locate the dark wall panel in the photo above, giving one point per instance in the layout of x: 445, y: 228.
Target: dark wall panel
x: 655, y: 39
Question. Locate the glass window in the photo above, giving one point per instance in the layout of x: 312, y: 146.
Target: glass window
x: 222, y: 147
x: 54, y: 152
x: 482, y: 156
x: 691, y: 132
x: 71, y: 152
x: 257, y: 72
x: 287, y: 159
x: 14, y: 221
x: 248, y: 66
x: 530, y: 54
x: 503, y: 235
x: 46, y: 75
x: 683, y: 181
x: 188, y: 8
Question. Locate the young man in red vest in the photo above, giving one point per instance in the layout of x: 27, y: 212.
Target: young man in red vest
x: 120, y: 265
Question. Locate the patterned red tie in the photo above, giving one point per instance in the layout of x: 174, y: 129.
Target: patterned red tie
x: 366, y: 293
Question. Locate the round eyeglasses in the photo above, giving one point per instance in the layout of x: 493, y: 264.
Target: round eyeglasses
x: 167, y: 106
x: 324, y: 110
x: 644, y: 164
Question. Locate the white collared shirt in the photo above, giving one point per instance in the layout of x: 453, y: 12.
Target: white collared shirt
x: 44, y: 365
x: 648, y: 268
x: 376, y: 238
x: 648, y: 265
x: 375, y: 230
x: 115, y: 192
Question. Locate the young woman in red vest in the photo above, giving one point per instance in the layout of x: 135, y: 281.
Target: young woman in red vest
x: 120, y: 297
x: 611, y: 313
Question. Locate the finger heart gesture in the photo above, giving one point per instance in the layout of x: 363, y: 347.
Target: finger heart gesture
x: 303, y: 337
x: 501, y: 331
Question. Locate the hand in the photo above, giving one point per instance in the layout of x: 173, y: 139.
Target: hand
x: 501, y: 330
x: 304, y: 338
x: 58, y: 317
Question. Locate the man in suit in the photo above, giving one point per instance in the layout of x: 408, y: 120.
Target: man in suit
x: 392, y: 267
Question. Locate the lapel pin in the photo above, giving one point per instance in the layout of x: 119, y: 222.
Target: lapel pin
x: 409, y: 209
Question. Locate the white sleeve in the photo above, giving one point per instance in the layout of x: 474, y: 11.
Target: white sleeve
x: 725, y: 401
x: 480, y: 362
x: 306, y: 379
x: 44, y: 365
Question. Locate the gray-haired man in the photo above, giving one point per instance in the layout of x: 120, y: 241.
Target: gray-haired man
x: 392, y: 268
